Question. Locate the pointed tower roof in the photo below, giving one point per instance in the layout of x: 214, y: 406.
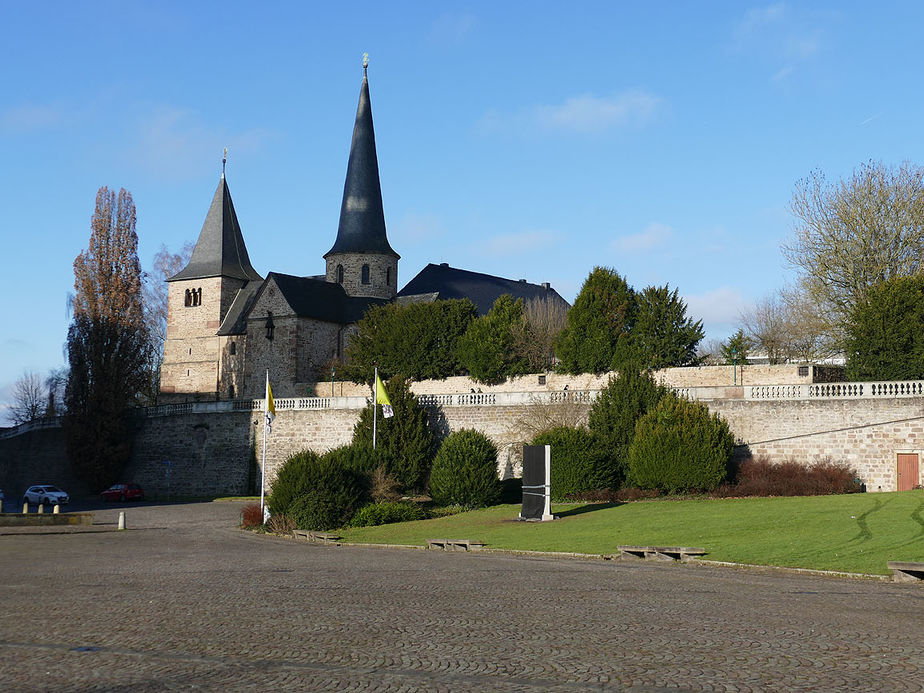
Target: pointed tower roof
x: 362, y: 218
x: 220, y: 250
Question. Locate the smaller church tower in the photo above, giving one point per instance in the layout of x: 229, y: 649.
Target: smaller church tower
x: 198, y: 300
x: 361, y: 260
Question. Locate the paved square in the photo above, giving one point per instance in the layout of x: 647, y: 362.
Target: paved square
x: 185, y: 600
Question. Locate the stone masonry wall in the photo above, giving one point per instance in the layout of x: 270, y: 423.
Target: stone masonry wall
x: 210, y: 453
x: 867, y: 434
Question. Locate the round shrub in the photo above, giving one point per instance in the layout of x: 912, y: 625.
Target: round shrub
x: 290, y: 482
x: 386, y: 512
x: 465, y: 471
x: 575, y: 461
x: 331, y: 495
x: 679, y: 446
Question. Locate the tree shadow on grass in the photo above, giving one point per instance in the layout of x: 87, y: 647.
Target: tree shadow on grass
x: 916, y: 516
x: 589, y: 508
x: 865, y: 534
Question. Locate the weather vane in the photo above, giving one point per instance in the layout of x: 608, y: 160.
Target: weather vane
x: 224, y: 160
x: 365, y: 63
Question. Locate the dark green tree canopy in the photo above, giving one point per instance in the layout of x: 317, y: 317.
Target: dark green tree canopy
x: 663, y: 335
x: 613, y: 416
x: 597, y: 336
x: 417, y: 340
x: 488, y: 349
x: 885, y: 335
x: 405, y: 441
x: 736, y: 348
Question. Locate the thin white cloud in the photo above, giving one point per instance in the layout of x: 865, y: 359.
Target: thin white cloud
x: 786, y: 37
x: 413, y: 228
x: 653, y: 236
x: 585, y: 113
x: 719, y: 306
x: 28, y: 118
x: 520, y: 243
x: 451, y: 29
x: 589, y: 113
x: 175, y: 143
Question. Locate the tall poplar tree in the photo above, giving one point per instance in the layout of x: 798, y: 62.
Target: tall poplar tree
x: 107, y: 343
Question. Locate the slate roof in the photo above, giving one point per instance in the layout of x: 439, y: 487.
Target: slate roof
x: 362, y: 218
x: 481, y: 289
x: 321, y: 300
x: 220, y: 250
x: 235, y: 321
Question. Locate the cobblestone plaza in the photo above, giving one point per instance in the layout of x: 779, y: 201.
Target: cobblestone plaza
x: 183, y: 599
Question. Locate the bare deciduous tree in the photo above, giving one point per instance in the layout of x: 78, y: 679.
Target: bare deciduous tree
x: 855, y: 233
x: 28, y: 399
x: 766, y: 325
x: 107, y: 343
x: 545, y: 320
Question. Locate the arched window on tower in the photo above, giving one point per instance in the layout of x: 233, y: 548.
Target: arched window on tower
x: 340, y: 274
x: 232, y: 348
x: 388, y: 276
x: 365, y: 274
x: 187, y: 301
x: 197, y: 298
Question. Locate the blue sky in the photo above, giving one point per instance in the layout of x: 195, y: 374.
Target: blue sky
x: 526, y: 139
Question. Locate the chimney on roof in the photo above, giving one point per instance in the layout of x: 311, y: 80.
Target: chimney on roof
x: 523, y: 281
x: 546, y: 286
x: 444, y: 264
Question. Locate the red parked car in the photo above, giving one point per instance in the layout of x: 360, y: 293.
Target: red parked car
x: 123, y: 492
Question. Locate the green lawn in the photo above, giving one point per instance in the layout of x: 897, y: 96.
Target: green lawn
x: 853, y: 533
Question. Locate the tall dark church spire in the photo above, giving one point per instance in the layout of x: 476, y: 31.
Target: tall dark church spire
x: 362, y: 218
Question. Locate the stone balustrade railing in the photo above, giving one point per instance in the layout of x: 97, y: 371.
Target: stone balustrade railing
x: 814, y: 391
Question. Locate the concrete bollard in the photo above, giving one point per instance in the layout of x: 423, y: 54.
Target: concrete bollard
x: 41, y: 509
x: 122, y: 520
x: 25, y: 508
x: 57, y: 509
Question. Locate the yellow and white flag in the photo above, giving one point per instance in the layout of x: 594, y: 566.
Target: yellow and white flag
x: 270, y: 406
x: 381, y: 397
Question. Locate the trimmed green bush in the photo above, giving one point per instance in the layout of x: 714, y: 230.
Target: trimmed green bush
x: 576, y: 462
x: 331, y: 494
x: 291, y: 481
x: 612, y: 420
x: 679, y: 447
x: 465, y: 471
x: 386, y: 512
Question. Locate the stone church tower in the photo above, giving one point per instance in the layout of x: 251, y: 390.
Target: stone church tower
x: 199, y: 298
x: 361, y: 260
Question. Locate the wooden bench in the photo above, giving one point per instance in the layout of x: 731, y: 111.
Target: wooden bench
x: 454, y: 544
x: 906, y: 571
x: 661, y: 553
x: 320, y: 537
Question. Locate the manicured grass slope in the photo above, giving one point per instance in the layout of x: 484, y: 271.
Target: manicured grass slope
x: 854, y: 533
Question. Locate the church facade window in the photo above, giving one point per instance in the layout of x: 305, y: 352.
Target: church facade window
x: 340, y: 274
x: 388, y: 276
x: 192, y: 297
x: 232, y: 349
x: 365, y: 274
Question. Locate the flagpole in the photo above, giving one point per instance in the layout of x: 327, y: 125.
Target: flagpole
x: 263, y: 465
x: 375, y: 405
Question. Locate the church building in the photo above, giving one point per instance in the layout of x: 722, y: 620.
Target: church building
x: 227, y: 325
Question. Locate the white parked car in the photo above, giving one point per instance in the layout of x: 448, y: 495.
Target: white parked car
x: 45, y: 494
